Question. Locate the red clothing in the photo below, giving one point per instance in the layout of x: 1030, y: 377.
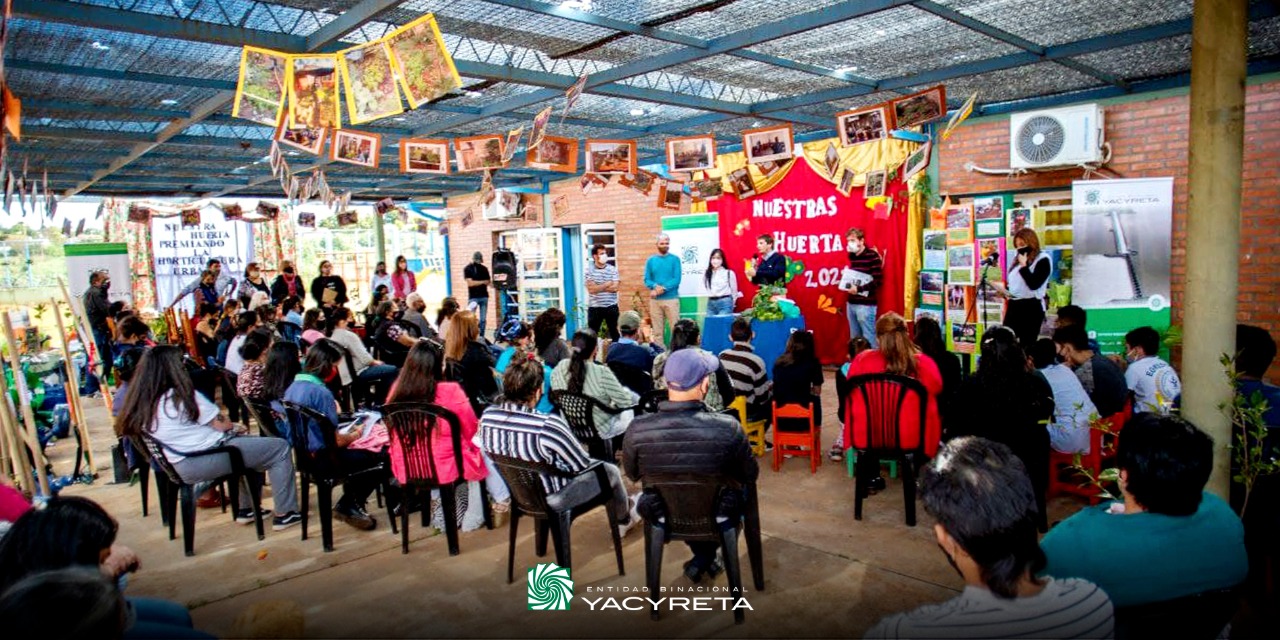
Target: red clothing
x: 12, y: 504
x: 403, y: 284
x: 872, y: 361
x: 450, y: 396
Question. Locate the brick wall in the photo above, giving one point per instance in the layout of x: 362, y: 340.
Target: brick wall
x: 1149, y: 139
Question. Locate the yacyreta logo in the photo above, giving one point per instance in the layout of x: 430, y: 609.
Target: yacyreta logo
x: 550, y: 588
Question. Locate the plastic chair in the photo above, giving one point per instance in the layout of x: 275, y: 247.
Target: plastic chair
x: 649, y: 401
x: 637, y: 380
x: 1200, y: 616
x: 179, y: 488
x: 577, y: 410
x: 883, y: 397
x: 754, y: 428
x: 803, y: 441
x: 690, y: 505
x: 413, y: 425
x: 851, y: 458
x: 529, y: 498
x: 265, y: 416
x: 312, y: 471
x: 1101, y: 448
x: 289, y: 331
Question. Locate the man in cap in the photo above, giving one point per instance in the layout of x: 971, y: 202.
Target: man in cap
x: 662, y: 278
x: 630, y: 349
x: 686, y: 437
x: 477, y: 277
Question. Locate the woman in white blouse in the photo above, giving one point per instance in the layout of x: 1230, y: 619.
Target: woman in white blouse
x: 723, y: 285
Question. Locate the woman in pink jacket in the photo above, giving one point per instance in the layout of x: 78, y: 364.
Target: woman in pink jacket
x: 403, y: 282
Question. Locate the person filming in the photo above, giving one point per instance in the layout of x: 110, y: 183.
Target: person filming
x: 1028, y: 279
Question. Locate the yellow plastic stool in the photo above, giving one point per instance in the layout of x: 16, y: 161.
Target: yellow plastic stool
x: 754, y: 430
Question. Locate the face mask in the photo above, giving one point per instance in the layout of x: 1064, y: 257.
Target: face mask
x: 253, y: 275
x: 716, y: 262
x: 288, y: 270
x: 106, y: 284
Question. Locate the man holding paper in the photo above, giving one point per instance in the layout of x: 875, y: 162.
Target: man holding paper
x: 860, y: 281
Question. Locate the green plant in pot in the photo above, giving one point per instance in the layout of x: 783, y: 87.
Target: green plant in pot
x: 763, y: 306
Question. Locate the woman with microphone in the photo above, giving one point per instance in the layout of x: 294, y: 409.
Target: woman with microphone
x: 1028, y: 279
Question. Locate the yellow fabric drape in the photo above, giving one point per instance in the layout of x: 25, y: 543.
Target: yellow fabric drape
x: 914, y: 252
x: 860, y: 158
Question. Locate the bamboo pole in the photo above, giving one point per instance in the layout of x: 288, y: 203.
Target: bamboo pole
x: 86, y: 338
x: 73, y: 397
x: 15, y: 459
x: 28, y: 416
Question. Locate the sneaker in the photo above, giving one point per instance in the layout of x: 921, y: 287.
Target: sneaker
x: 876, y: 485
x: 768, y: 446
x: 356, y: 517
x: 245, y: 516
x: 280, y: 523
x: 631, y: 523
x: 693, y: 572
x: 716, y: 568
x: 836, y: 453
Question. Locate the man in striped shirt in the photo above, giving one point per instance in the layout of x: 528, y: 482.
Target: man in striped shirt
x: 514, y: 429
x: 981, y: 496
x: 602, y: 284
x: 747, y: 371
x: 861, y: 305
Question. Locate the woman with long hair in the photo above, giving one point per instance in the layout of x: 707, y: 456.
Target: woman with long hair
x: 284, y: 363
x: 287, y: 283
x: 928, y: 337
x: 448, y: 307
x: 797, y: 378
x: 546, y: 337
x: 1005, y: 401
x: 313, y: 326
x: 420, y: 381
x: 252, y: 283
x: 469, y: 361
x: 897, y: 355
x: 582, y: 374
x: 381, y: 294
x: 368, y: 370
x: 257, y: 344
x: 330, y: 286
x: 380, y: 278
x: 163, y: 405
x: 722, y: 283
x: 1028, y: 280
x: 391, y: 338
x: 685, y: 334
x: 403, y: 282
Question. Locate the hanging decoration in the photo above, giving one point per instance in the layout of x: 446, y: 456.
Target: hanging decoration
x: 423, y: 64
x: 313, y: 92
x: 370, y: 82
x: 959, y: 117
x: 572, y: 94
x: 260, y: 89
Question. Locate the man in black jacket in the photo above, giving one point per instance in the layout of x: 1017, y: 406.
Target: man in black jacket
x: 97, y: 307
x: 685, y: 437
x: 770, y: 266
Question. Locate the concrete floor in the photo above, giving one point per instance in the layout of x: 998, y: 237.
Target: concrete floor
x: 826, y: 575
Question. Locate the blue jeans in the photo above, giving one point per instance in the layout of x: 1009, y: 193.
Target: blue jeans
x: 720, y: 306
x: 155, y: 618
x: 862, y: 321
x: 483, y: 312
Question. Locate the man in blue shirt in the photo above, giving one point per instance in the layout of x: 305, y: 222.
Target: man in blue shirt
x: 1168, y: 539
x: 662, y: 278
x: 630, y: 352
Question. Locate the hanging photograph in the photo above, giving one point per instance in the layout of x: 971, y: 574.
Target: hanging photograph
x: 560, y: 206
x: 422, y: 62
x: 847, y: 176
x: 478, y: 153
x: 355, y: 147
x: 993, y: 268
x: 831, y: 160
x: 768, y: 143
x: 874, y: 186
x: 510, y: 145
x: 935, y: 249
x: 539, y: 129
x: 931, y: 288
x: 1018, y: 219
x: 769, y: 167
x: 991, y: 208
x: 919, y: 108
x: 260, y: 90
x: 306, y: 220
x: 190, y: 218
x: 917, y: 161
x: 554, y: 153
x: 424, y: 156
x: 370, y: 83
x: 611, y: 156
x: 959, y: 299
x: 313, y: 92
x: 709, y: 189
x: 267, y: 210
x: 743, y: 185
x: 348, y: 218
x: 232, y: 212
x: 670, y: 194
x: 642, y: 181
x: 304, y: 138
x: 863, y: 125
x: 691, y: 153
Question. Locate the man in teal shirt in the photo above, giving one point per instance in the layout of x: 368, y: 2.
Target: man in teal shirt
x: 1169, y: 538
x: 662, y: 278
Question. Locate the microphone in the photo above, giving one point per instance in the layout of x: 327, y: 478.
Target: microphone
x: 990, y: 261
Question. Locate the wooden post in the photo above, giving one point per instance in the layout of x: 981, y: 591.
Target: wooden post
x: 13, y: 447
x: 73, y: 397
x: 86, y: 338
x: 28, y: 416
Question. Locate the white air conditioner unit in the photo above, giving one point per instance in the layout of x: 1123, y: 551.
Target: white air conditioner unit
x: 1061, y: 137
x: 505, y: 204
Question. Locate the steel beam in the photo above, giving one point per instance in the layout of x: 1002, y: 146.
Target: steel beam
x: 116, y: 74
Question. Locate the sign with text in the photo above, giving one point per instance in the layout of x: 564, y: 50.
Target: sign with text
x: 181, y: 252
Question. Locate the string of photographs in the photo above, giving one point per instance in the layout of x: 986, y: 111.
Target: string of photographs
x: 33, y: 195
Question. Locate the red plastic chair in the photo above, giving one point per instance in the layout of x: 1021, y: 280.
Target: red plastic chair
x: 800, y: 441
x: 1102, y: 446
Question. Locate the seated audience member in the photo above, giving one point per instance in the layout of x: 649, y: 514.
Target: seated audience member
x: 420, y: 381
x: 985, y: 508
x: 448, y: 307
x: 369, y: 370
x: 1072, y: 316
x: 1072, y: 408
x: 631, y: 349
x: 414, y: 306
x: 391, y: 338
x: 520, y: 346
x: 292, y: 310
x: 685, y: 334
x: 66, y: 604
x: 268, y: 315
x: 684, y: 437
x: 205, y: 332
x: 258, y: 300
x: 1169, y: 538
x: 469, y: 361
x: 513, y: 429
x: 582, y: 374
x: 1255, y: 350
x: 857, y: 344
x: 308, y: 389
x: 256, y: 347
x: 898, y: 355
x: 131, y: 333
x: 928, y: 337
x: 1155, y: 385
x: 797, y: 379
x: 312, y: 326
x: 547, y: 327
x: 245, y: 323
x: 287, y: 283
x: 747, y: 371
x: 381, y: 294
x: 1006, y: 402
x: 1100, y: 377
x: 283, y: 365
x: 77, y: 533
x: 125, y: 365
x: 162, y: 404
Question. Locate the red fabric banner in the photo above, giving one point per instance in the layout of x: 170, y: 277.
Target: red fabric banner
x: 809, y: 219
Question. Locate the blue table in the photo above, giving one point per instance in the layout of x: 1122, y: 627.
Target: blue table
x: 770, y: 342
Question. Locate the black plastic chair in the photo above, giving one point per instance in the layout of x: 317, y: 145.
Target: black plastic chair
x: 690, y: 505
x: 577, y: 410
x: 883, y: 396
x: 265, y: 416
x: 179, y: 488
x: 637, y: 380
x: 649, y: 401
x: 1200, y: 616
x: 355, y: 392
x: 413, y: 425
x: 529, y: 498
x: 289, y: 332
x: 230, y: 383
x: 312, y: 469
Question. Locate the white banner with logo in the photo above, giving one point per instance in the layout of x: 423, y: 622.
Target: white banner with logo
x: 181, y: 252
